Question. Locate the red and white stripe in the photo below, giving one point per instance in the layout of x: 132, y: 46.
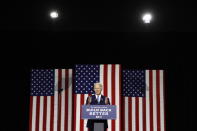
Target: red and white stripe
x: 146, y: 113
x: 110, y: 78
x: 53, y: 113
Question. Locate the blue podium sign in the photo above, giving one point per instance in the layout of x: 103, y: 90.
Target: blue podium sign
x: 98, y: 112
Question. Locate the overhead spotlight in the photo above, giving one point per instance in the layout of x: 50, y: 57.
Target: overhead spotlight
x: 54, y: 14
x: 147, y: 17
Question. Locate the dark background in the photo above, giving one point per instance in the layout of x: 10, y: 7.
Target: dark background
x: 102, y: 15
x: 97, y: 32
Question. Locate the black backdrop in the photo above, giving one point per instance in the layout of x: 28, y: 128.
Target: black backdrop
x: 23, y: 50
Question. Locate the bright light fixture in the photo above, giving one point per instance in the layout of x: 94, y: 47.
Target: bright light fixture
x: 54, y: 14
x: 147, y: 18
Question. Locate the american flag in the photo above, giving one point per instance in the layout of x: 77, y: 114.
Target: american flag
x: 106, y: 74
x: 55, y: 106
x: 51, y: 100
x: 144, y: 113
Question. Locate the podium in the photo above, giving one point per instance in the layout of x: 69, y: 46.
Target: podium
x: 98, y: 127
x: 98, y: 112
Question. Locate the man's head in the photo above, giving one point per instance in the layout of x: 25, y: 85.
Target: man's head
x: 98, y: 88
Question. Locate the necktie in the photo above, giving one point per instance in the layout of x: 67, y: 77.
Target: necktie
x: 98, y: 99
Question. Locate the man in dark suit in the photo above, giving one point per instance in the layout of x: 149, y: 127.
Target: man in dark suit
x: 97, y: 99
